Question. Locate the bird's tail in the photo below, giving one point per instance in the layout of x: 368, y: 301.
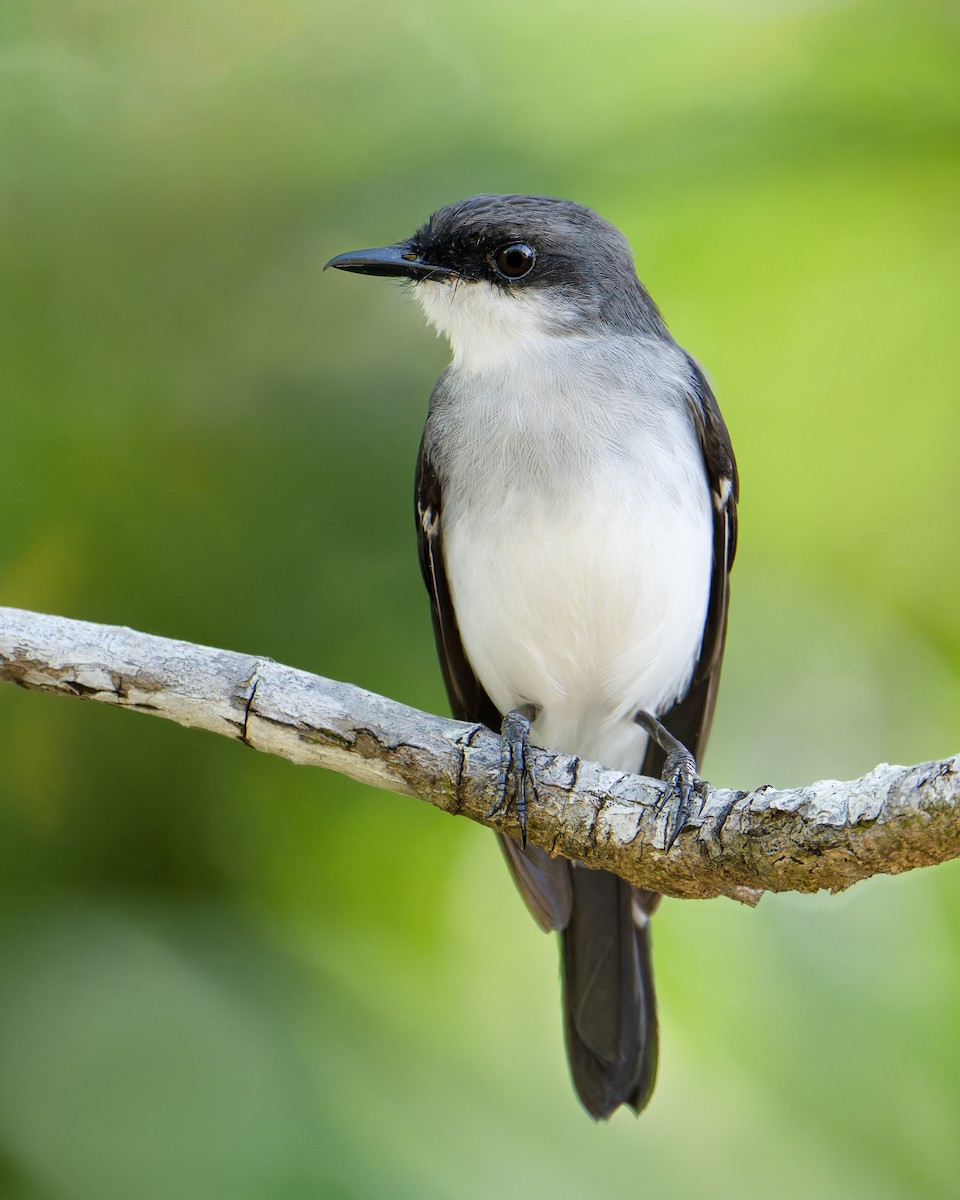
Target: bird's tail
x: 610, y: 1009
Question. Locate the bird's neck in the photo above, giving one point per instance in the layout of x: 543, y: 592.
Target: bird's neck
x: 489, y: 330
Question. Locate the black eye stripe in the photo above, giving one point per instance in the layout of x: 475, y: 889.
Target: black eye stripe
x: 515, y: 260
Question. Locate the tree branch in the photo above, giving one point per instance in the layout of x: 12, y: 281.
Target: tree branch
x: 827, y: 835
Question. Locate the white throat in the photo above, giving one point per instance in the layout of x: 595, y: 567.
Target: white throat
x: 487, y: 326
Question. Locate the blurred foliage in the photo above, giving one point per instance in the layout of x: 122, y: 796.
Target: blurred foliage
x: 223, y: 976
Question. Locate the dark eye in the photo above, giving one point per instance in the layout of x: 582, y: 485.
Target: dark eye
x: 515, y: 261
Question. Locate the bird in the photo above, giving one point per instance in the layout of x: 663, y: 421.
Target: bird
x: 576, y: 508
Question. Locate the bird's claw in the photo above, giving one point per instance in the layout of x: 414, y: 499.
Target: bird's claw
x: 514, y: 739
x: 679, y: 774
x: 681, y: 779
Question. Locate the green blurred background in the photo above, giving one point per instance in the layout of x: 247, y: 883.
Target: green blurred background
x: 224, y: 976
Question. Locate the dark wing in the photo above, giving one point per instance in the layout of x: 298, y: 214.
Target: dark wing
x: 467, y: 698
x: 544, y: 882
x: 690, y: 718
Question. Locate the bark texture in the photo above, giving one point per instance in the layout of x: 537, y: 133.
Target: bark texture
x: 827, y: 835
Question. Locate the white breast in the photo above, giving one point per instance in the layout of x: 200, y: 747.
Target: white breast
x: 578, y: 536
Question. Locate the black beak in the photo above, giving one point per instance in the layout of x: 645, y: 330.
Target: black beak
x: 400, y: 259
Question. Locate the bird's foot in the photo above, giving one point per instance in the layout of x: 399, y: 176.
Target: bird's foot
x: 679, y: 774
x: 515, y: 770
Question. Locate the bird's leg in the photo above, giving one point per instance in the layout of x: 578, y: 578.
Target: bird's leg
x: 514, y: 739
x: 679, y: 773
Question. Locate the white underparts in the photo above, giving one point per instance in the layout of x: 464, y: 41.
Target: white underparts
x: 576, y: 517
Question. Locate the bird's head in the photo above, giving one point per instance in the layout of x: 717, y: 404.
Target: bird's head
x: 493, y: 272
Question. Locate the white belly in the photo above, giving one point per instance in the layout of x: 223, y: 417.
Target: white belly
x: 588, y: 608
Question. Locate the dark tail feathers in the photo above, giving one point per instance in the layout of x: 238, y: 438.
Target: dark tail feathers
x: 609, y: 1004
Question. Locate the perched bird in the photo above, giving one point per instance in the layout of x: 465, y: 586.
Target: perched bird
x: 576, y: 504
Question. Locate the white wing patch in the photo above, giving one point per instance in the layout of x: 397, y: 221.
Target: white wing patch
x: 721, y: 497
x: 429, y: 519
